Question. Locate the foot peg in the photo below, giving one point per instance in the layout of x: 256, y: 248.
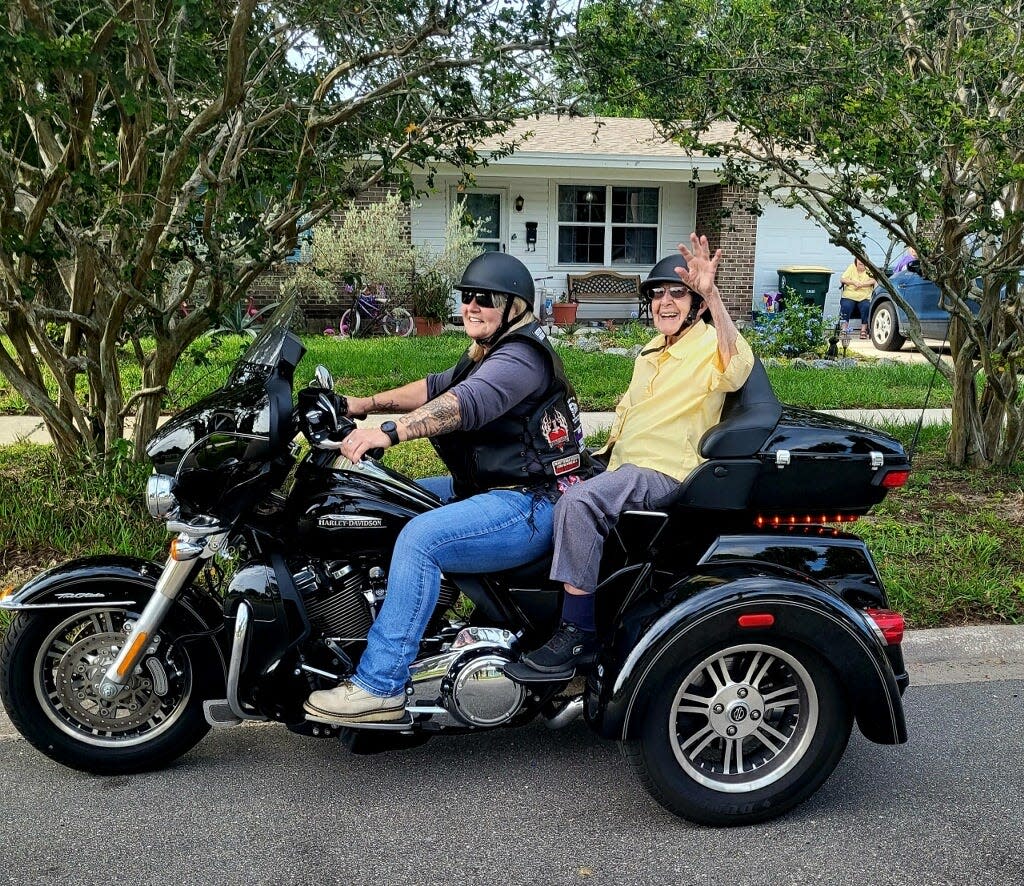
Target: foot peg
x: 521, y: 672
x: 218, y: 713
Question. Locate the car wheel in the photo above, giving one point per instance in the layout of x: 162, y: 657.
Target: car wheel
x: 885, y: 328
x: 741, y: 734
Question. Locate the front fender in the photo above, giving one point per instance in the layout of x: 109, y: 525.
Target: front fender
x: 703, y: 614
x: 111, y: 580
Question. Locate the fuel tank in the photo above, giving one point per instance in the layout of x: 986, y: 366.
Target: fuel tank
x: 337, y: 509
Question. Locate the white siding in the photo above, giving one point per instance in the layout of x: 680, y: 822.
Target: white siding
x: 788, y: 237
x: 540, y: 195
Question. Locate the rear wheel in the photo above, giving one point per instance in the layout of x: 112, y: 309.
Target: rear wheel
x: 741, y: 734
x: 348, y: 326
x: 885, y: 328
x: 398, y: 321
x: 52, y: 663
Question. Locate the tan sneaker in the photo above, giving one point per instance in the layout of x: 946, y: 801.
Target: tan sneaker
x: 348, y: 703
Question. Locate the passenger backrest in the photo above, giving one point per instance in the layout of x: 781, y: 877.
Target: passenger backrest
x: 749, y: 415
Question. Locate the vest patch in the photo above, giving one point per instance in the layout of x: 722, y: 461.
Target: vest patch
x: 565, y: 465
x: 555, y: 429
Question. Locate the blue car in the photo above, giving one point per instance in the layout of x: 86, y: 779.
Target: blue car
x: 889, y: 323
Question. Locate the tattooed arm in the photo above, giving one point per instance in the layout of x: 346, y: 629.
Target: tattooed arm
x: 438, y: 416
x: 403, y: 399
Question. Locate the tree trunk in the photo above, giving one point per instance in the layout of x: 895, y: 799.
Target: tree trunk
x: 155, y: 376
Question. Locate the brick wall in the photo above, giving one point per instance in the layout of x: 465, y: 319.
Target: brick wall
x: 722, y: 215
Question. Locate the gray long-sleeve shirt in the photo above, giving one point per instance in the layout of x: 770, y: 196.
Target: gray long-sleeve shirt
x: 496, y: 384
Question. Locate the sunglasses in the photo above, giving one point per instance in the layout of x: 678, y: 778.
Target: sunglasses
x: 675, y: 292
x: 484, y: 299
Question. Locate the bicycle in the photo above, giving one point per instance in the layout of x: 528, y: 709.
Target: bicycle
x: 369, y: 314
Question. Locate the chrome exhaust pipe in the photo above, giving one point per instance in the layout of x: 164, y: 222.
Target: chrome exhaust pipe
x: 569, y: 712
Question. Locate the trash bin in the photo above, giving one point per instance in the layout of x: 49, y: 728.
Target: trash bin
x: 810, y: 282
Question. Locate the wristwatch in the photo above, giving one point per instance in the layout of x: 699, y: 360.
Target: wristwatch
x: 391, y: 429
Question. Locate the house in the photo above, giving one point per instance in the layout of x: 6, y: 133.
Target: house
x: 585, y: 193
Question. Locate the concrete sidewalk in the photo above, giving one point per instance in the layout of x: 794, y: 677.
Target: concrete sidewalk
x: 29, y: 428
x: 942, y: 656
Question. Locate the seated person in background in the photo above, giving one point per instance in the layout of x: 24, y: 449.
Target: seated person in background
x: 858, y: 284
x: 679, y: 385
x: 904, y: 260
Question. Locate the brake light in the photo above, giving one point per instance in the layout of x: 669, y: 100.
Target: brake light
x: 761, y: 521
x: 756, y: 620
x: 895, y: 479
x: 890, y: 624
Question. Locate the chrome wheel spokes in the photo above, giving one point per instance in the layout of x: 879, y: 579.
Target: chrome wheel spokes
x: 743, y: 717
x: 70, y: 666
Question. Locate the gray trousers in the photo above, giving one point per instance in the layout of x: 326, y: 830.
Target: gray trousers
x: 586, y: 513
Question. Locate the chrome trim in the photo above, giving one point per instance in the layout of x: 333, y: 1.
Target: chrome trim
x: 174, y: 577
x: 78, y: 604
x: 436, y: 679
x: 160, y: 497
x: 569, y: 712
x: 242, y: 616
x: 309, y: 669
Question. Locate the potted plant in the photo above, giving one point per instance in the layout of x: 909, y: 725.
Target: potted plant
x: 431, y: 302
x: 564, y: 311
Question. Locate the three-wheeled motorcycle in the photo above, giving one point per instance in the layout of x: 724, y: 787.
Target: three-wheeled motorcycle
x: 743, y: 630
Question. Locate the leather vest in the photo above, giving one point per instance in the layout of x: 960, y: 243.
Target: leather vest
x: 533, y: 444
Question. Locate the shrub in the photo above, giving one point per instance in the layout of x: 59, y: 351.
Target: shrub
x: 800, y: 329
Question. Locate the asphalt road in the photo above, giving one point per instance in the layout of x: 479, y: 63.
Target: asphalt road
x: 255, y: 804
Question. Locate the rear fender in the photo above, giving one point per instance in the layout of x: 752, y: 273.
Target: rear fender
x: 703, y: 612
x: 119, y: 581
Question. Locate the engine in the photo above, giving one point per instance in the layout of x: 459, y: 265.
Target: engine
x: 342, y: 597
x: 465, y: 686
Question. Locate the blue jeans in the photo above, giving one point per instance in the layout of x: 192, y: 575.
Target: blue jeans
x: 495, y: 530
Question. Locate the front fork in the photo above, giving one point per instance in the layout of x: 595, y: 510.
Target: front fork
x: 188, y: 550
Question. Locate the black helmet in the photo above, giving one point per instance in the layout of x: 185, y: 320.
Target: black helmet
x: 663, y: 272
x: 498, y: 272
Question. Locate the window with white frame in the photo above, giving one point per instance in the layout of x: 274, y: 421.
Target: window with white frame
x: 607, y: 225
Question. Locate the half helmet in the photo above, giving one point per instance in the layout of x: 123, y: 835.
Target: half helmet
x: 663, y: 272
x: 498, y: 272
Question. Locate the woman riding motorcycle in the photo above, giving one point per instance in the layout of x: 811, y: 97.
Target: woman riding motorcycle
x: 505, y: 421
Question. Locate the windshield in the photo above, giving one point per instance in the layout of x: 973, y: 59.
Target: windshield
x: 264, y: 353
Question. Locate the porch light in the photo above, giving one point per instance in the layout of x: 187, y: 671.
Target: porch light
x: 519, y: 203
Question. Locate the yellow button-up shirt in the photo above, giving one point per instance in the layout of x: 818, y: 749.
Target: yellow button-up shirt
x: 674, y: 397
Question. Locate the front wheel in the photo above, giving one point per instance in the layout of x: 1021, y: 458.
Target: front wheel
x: 398, y: 321
x: 885, y: 328
x: 742, y: 734
x: 51, y: 664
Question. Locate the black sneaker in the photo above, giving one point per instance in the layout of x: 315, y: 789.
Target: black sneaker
x: 570, y: 647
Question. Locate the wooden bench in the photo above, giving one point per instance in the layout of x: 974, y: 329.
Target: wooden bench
x: 606, y: 295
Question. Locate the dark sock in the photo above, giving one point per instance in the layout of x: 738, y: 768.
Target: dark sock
x: 578, y: 609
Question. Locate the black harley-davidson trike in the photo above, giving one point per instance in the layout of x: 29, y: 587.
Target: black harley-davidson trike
x: 742, y: 631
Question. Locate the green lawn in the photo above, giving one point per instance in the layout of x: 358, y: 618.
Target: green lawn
x: 367, y: 366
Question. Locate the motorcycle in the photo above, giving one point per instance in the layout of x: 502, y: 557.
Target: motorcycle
x: 743, y: 629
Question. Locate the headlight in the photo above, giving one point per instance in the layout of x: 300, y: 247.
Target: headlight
x: 160, y: 498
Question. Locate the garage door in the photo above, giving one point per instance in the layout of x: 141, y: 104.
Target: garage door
x: 788, y: 237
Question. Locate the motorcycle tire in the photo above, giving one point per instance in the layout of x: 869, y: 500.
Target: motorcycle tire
x: 50, y: 665
x: 348, y: 325
x: 398, y: 321
x: 782, y: 703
